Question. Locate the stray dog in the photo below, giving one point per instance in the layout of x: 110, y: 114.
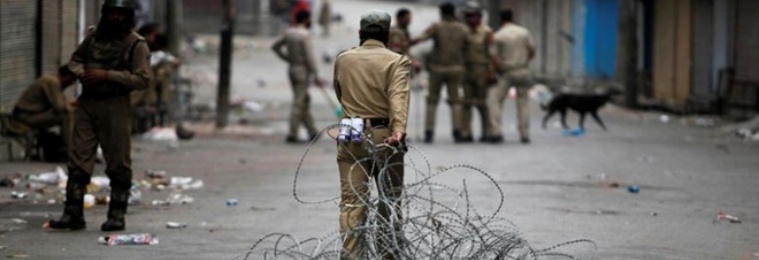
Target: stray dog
x: 583, y: 104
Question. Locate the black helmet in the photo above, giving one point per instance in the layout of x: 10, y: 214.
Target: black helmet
x: 126, y: 4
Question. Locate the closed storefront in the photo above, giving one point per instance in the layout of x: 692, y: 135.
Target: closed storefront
x: 18, y: 35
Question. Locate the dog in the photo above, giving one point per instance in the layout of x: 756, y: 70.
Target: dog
x: 583, y: 104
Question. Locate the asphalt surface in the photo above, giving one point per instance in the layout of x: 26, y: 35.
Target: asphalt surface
x: 556, y: 189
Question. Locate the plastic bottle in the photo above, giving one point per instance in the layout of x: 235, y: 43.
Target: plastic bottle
x: 132, y: 239
x: 345, y: 130
x: 357, y: 127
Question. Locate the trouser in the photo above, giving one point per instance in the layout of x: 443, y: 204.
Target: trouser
x: 452, y: 78
x: 357, y: 165
x: 522, y: 82
x: 47, y: 119
x: 475, y: 95
x: 300, y: 113
x: 104, y: 122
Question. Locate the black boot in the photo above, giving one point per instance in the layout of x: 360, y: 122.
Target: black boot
x: 117, y: 209
x: 457, y: 136
x: 428, y: 136
x: 73, y: 209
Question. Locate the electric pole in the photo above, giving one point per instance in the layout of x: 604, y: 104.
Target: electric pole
x: 627, y: 50
x: 225, y: 63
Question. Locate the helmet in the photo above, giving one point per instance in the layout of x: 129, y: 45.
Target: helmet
x: 472, y: 7
x: 126, y: 4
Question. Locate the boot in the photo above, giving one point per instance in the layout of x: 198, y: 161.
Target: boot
x: 117, y: 208
x: 457, y: 136
x: 428, y: 136
x: 73, y: 209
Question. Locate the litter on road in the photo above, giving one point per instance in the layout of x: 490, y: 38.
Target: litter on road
x: 132, y: 239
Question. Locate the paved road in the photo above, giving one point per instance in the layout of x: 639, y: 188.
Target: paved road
x: 555, y: 189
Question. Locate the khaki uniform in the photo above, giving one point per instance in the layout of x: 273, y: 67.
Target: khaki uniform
x: 512, y: 47
x: 446, y: 66
x: 43, y: 105
x: 104, y: 116
x: 478, y: 69
x: 399, y: 40
x: 295, y: 47
x: 371, y: 82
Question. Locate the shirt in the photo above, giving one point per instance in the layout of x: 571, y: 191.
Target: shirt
x: 512, y: 47
x: 296, y: 48
x: 44, y: 94
x: 372, y: 81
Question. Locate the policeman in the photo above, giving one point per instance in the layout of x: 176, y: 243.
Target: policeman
x: 479, y: 72
x: 400, y: 39
x: 372, y: 83
x: 112, y: 61
x: 515, y: 49
x: 43, y: 104
x: 296, y: 48
x: 446, y: 66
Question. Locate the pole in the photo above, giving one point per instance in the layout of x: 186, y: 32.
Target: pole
x: 627, y: 50
x: 174, y: 24
x: 225, y: 63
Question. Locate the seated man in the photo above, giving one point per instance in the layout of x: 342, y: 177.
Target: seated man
x: 43, y: 104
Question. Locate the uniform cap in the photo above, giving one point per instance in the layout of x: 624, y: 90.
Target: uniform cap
x: 374, y: 20
x: 126, y: 4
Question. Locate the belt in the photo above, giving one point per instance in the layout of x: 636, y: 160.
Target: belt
x: 372, y: 122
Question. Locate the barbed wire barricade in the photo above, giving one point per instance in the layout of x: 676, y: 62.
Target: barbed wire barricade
x: 440, y: 221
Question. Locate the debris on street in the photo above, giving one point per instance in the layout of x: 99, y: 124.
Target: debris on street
x: 18, y: 195
x: 132, y: 239
x: 633, y: 189
x: 175, y: 225
x: 574, y: 132
x: 730, y: 218
x: 232, y: 202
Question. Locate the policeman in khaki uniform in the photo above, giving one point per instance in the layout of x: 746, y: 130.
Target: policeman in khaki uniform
x: 514, y: 48
x: 479, y: 73
x: 446, y: 66
x: 296, y: 48
x: 400, y: 39
x: 372, y: 82
x: 112, y: 61
x: 43, y: 104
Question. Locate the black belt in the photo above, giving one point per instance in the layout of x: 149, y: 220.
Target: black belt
x: 371, y: 122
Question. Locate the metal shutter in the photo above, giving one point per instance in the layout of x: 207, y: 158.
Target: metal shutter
x: 50, y: 56
x: 18, y: 20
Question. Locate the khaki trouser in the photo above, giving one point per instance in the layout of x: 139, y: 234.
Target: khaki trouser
x: 47, y: 119
x: 475, y: 95
x: 300, y: 113
x: 452, y: 78
x: 357, y: 165
x: 522, y: 81
x: 104, y: 122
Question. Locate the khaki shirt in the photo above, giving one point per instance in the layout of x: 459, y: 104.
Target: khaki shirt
x: 478, y: 51
x: 296, y: 48
x: 44, y: 94
x: 114, y: 56
x: 399, y: 40
x: 450, y: 38
x: 372, y: 81
x: 512, y: 47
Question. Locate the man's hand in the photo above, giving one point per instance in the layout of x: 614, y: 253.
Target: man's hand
x: 94, y: 76
x: 318, y: 82
x: 396, y: 139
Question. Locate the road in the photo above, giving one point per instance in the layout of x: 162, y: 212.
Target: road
x: 556, y: 189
